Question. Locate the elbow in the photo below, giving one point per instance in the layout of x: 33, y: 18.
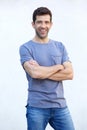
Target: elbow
x: 36, y: 75
x: 70, y: 76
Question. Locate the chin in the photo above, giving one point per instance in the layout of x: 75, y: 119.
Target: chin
x: 43, y: 36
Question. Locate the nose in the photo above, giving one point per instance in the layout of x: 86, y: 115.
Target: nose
x: 43, y: 24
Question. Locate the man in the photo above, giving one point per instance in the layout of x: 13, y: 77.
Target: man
x: 46, y: 64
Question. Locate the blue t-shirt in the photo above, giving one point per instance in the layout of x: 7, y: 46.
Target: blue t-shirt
x: 44, y: 93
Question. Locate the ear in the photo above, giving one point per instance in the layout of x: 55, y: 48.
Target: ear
x: 33, y: 24
x: 51, y: 24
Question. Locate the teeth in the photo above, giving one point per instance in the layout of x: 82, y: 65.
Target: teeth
x: 43, y: 30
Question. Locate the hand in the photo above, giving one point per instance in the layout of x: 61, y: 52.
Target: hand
x: 62, y: 67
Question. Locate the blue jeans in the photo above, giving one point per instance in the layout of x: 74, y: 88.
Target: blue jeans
x: 58, y: 118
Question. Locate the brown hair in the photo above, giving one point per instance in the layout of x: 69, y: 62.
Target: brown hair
x: 41, y: 11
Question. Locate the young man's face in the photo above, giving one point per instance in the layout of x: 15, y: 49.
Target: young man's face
x: 42, y: 26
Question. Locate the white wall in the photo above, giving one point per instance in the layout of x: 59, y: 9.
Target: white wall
x: 70, y: 27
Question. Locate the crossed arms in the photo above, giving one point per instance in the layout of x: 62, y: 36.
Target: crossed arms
x: 55, y: 72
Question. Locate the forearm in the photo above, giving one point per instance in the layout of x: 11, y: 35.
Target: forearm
x: 41, y: 72
x: 64, y: 74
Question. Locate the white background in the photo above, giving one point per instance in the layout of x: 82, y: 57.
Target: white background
x: 69, y: 27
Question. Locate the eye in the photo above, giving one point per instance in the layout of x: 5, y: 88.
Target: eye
x: 39, y: 22
x: 47, y: 22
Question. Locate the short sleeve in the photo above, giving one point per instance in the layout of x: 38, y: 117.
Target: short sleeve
x: 25, y: 54
x: 65, y: 57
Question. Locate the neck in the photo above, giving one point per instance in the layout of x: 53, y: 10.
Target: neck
x: 44, y: 40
